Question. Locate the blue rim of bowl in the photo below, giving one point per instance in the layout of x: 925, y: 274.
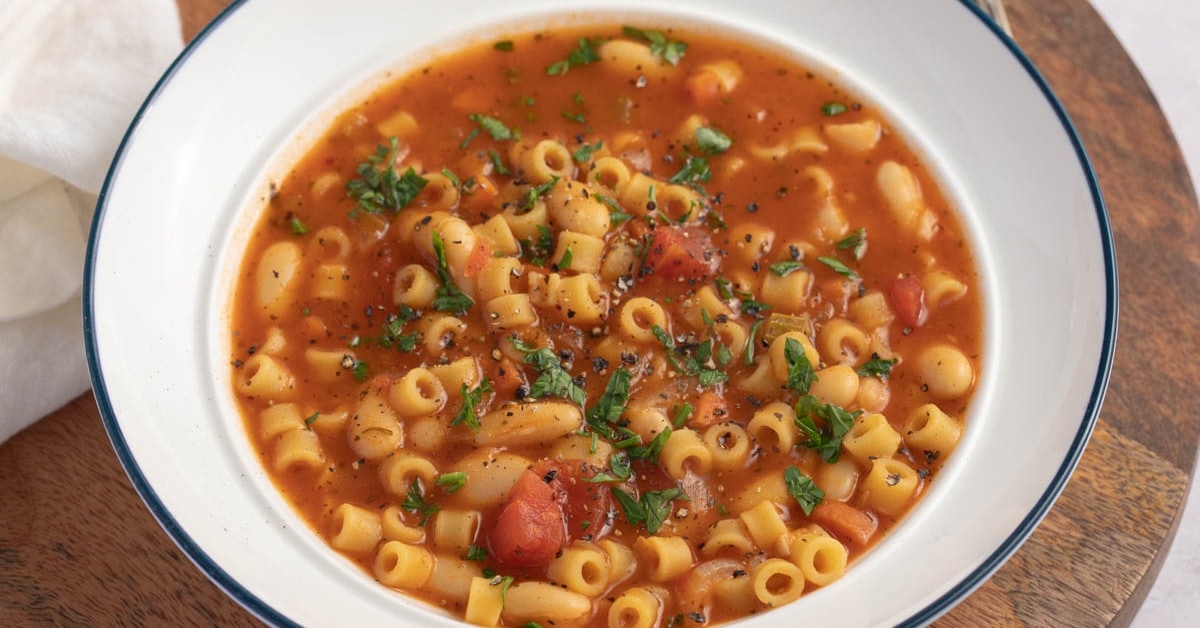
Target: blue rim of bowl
x: 932, y: 611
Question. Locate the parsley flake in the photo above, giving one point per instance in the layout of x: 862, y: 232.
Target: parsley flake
x: 651, y: 510
x: 802, y: 489
x: 711, y: 141
x: 671, y: 52
x: 379, y: 187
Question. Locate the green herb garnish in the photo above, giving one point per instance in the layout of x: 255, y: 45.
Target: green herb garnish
x: 379, y: 187
x: 827, y: 440
x: 669, y: 51
x: 553, y: 380
x: 583, y: 54
x: 786, y: 267
x: 800, y: 374
x: 838, y: 267
x: 856, y: 242
x: 651, y: 510
x: 493, y: 126
x: 711, y: 141
x: 833, y: 108
x: 448, y: 297
x: 415, y: 502
x: 471, y: 397
x: 584, y: 152
x: 298, y: 227
x: 802, y: 489
x: 876, y: 367
x: 452, y: 482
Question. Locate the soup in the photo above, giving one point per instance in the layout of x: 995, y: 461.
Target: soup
x: 610, y: 326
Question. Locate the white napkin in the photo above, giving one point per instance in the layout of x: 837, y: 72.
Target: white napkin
x: 72, y: 75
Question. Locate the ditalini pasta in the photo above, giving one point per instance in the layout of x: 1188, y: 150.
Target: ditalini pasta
x: 608, y: 327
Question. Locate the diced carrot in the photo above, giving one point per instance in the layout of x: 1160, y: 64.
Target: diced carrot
x: 710, y: 409
x: 529, y: 529
x: 845, y: 522
x: 703, y: 86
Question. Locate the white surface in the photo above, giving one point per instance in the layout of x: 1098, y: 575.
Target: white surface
x: 1160, y: 35
x: 164, y: 355
x: 72, y: 74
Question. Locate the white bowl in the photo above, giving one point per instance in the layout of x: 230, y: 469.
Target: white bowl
x: 249, y: 93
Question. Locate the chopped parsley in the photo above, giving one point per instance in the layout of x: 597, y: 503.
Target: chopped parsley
x: 694, y: 359
x: 393, y: 335
x: 379, y: 187
x: 415, y: 502
x: 312, y: 419
x: 836, y: 421
x: 786, y: 267
x: 603, y: 417
x: 876, y: 367
x: 538, y: 250
x: 802, y: 489
x: 452, y: 482
x: 531, y: 196
x: 476, y: 553
x: 504, y: 45
x: 493, y: 127
x: 682, y: 414
x: 584, y: 152
x: 360, y: 370
x: 568, y: 256
x: 449, y: 298
x: 711, y: 141
x: 553, y: 380
x: 749, y: 356
x: 650, y: 451
x: 856, y: 242
x: 471, y: 397
x: 695, y: 171
x: 583, y: 54
x: 833, y: 108
x: 298, y: 227
x: 651, y: 510
x: 838, y: 267
x: 669, y: 51
x: 497, y: 163
x: 800, y: 374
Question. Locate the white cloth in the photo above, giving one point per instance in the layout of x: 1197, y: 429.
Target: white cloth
x: 72, y: 75
x: 1160, y: 37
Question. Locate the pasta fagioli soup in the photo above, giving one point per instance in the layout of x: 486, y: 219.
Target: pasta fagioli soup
x: 610, y: 327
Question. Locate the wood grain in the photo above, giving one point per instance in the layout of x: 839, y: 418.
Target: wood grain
x: 78, y: 547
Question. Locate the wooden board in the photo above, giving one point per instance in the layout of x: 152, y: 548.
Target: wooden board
x: 77, y: 546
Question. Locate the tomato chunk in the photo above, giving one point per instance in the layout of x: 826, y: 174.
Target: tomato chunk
x: 681, y: 253
x: 479, y: 257
x: 907, y: 295
x: 529, y: 530
x: 585, y: 505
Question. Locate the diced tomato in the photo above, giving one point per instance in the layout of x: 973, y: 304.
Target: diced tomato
x: 682, y: 252
x: 845, y: 522
x: 478, y: 258
x: 585, y: 504
x: 908, y: 298
x: 529, y: 530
